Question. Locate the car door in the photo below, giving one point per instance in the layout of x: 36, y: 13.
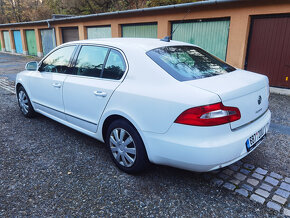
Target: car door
x: 46, y: 84
x: 98, y: 72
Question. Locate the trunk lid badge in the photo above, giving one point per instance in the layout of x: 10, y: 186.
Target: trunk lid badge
x: 259, y: 99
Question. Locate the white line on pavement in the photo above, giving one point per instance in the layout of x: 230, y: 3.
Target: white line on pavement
x: 6, y: 85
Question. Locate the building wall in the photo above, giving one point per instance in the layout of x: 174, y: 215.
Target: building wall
x: 239, y: 13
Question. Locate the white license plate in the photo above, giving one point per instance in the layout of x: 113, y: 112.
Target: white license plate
x: 255, y: 138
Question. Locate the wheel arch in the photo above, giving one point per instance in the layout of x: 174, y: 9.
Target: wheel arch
x: 21, y: 83
x: 18, y: 85
x: 109, y: 117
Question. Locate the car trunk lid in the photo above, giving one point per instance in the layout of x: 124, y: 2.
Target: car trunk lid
x: 242, y: 89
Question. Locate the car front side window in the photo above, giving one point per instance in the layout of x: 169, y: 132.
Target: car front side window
x: 90, y: 61
x: 58, y: 61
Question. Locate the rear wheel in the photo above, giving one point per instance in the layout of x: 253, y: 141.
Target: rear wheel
x: 24, y: 103
x: 126, y: 147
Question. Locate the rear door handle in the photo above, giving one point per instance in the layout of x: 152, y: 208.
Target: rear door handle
x: 56, y: 85
x: 100, y: 93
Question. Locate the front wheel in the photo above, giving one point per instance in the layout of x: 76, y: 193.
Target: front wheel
x: 126, y: 147
x: 24, y: 103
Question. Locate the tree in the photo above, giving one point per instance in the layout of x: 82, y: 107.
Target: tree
x: 23, y: 10
x: 154, y: 3
x: 29, y: 10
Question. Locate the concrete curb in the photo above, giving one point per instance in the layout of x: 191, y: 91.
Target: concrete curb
x: 280, y: 91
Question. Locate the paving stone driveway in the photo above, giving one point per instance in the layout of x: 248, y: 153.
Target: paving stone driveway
x: 258, y: 184
x: 261, y: 178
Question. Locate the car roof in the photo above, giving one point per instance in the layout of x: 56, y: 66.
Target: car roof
x: 127, y: 43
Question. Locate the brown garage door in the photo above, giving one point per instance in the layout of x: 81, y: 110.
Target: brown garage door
x: 269, y: 49
x: 70, y: 34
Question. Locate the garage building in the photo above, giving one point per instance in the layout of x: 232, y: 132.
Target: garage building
x: 252, y: 35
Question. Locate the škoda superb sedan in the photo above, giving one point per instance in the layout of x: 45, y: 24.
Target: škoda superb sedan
x: 164, y: 102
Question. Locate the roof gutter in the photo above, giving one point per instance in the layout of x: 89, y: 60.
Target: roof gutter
x: 159, y: 8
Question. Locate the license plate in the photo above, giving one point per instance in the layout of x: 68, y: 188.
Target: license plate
x: 255, y: 139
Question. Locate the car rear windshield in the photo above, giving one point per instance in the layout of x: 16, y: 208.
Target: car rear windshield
x: 188, y: 62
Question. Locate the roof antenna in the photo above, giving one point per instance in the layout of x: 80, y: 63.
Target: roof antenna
x: 168, y: 38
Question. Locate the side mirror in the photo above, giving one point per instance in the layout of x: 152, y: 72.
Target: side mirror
x: 32, y: 66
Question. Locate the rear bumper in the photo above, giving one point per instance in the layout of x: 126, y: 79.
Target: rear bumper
x: 201, y: 149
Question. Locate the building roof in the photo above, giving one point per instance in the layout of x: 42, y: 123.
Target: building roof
x: 145, y: 44
x: 159, y: 8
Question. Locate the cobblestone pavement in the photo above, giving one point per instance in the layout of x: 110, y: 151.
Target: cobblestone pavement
x: 260, y: 185
x: 47, y: 169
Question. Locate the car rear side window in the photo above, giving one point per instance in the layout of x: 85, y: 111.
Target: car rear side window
x: 90, y: 61
x: 115, y: 66
x: 58, y: 61
x: 188, y: 62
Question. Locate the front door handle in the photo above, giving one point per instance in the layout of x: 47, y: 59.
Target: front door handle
x: 100, y: 93
x: 56, y: 85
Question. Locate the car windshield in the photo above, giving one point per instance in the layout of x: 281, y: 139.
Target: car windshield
x: 188, y: 62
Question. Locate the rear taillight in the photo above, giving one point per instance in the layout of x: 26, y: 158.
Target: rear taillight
x: 209, y: 115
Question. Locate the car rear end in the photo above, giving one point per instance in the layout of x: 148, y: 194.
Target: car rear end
x: 212, y: 136
x: 203, y: 149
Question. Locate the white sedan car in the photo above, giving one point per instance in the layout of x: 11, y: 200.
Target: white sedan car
x: 168, y: 103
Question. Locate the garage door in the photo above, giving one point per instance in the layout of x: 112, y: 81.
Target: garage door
x: 70, y: 34
x: 7, y: 41
x: 48, y: 40
x: 148, y: 30
x: 99, y: 32
x: 18, y: 41
x: 31, y: 42
x: 269, y: 49
x: 211, y: 35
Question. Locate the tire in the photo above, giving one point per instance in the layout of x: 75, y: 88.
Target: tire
x: 24, y: 103
x: 126, y: 147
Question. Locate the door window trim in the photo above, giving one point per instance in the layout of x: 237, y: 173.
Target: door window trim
x: 74, y: 61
